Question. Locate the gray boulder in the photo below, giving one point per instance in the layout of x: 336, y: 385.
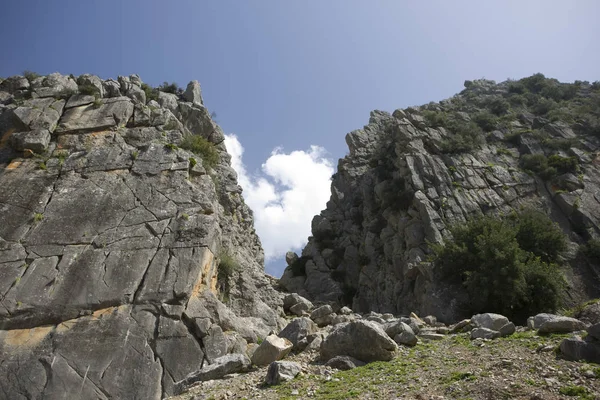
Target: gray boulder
x: 561, y: 324
x: 273, y: 348
x: 92, y: 83
x: 507, y: 329
x: 282, y: 371
x: 484, y: 333
x: 594, y: 331
x: 36, y: 141
x: 55, y: 85
x: 215, y: 343
x: 397, y: 327
x: 40, y: 113
x: 111, y: 88
x: 14, y: 83
x: 363, y: 340
x: 298, y: 331
x: 193, y: 93
x: 290, y: 258
x: 489, y: 321
x: 222, y: 366
x: 536, y: 321
x: 322, y: 315
x: 575, y: 349
x: 406, y: 338
x: 344, y: 363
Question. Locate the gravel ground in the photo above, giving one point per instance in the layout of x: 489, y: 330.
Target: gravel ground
x: 523, y: 366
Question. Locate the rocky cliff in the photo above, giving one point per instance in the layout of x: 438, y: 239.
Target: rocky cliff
x: 128, y: 258
x: 492, y: 149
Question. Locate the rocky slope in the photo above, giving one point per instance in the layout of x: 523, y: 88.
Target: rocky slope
x: 493, y: 149
x: 128, y: 258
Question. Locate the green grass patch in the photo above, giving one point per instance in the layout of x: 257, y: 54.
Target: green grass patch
x: 202, y: 147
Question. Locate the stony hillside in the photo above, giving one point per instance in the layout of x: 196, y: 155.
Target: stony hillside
x: 123, y: 235
x: 412, y: 175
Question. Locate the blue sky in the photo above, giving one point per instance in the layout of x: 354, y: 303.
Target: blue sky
x: 295, y: 74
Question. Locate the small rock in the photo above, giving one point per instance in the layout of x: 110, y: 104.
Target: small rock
x: 345, y: 311
x: 344, y: 363
x: 273, y: 348
x: 430, y: 320
x: 484, y: 333
x: 431, y: 336
x: 406, y: 338
x: 507, y: 329
x: 561, y: 324
x: 490, y: 321
x: 282, y: 371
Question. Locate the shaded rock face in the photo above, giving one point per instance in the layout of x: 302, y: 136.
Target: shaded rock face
x: 408, y: 177
x: 110, y: 243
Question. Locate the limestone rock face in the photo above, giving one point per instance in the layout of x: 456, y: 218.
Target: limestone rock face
x: 408, y: 177
x: 110, y: 243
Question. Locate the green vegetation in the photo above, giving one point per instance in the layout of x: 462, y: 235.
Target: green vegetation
x: 202, y: 147
x: 170, y: 88
x: 171, y: 146
x: 579, y: 391
x: 88, y: 89
x: 97, y: 103
x: 151, y: 93
x: 592, y: 250
x: 37, y: 217
x: 227, y: 266
x: 549, y: 167
x: 436, y: 119
x: 135, y: 154
x: 30, y: 75
x: 467, y: 137
x: 42, y: 165
x: 485, y: 120
x: 506, y: 265
x: 193, y: 162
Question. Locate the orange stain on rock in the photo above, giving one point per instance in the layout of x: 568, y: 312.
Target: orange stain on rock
x: 26, y: 338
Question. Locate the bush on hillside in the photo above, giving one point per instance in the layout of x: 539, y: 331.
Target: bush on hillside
x: 170, y: 88
x: 485, y: 120
x: 491, y: 258
x: 151, y: 93
x: 467, y: 137
x: 199, y: 145
x: 435, y: 119
x: 592, y: 250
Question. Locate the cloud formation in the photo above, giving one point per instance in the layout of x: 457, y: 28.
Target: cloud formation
x: 285, y: 194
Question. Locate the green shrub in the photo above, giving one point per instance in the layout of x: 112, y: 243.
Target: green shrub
x: 436, y: 119
x: 490, y: 258
x: 516, y: 87
x: 499, y: 106
x: 151, y: 93
x: 199, y: 145
x: 88, y: 89
x: 537, y: 234
x: 170, y: 88
x: 467, y: 136
x: 485, y: 120
x: 535, y: 83
x: 538, y: 164
x: 227, y: 266
x: 563, y: 164
x: 299, y: 266
x: 592, y: 250
x: 30, y: 75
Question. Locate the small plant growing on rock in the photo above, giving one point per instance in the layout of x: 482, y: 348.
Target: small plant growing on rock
x: 38, y: 217
x: 199, y: 145
x: 88, y: 89
x: 151, y: 93
x: 227, y: 266
x: 30, y: 75
x: 170, y: 88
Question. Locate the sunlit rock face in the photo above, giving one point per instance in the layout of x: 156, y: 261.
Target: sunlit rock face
x: 112, y: 231
x: 492, y: 149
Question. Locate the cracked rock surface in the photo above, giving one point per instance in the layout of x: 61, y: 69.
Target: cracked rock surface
x: 110, y: 242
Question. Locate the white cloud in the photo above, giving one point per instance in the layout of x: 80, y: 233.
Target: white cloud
x: 285, y: 195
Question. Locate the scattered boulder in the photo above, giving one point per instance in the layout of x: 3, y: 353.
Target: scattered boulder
x: 560, y: 324
x: 575, y: 349
x: 301, y: 308
x: 322, y: 315
x: 282, y: 371
x: 536, y: 321
x: 590, y: 313
x: 462, y: 326
x: 297, y: 332
x: 489, y: 321
x: 507, y: 329
x: 397, y: 327
x: 290, y: 258
x: 273, y: 348
x: 293, y: 299
x: 484, y: 333
x: 36, y: 141
x: 345, y: 311
x: 594, y: 331
x: 363, y: 340
x: 406, y: 338
x: 344, y: 363
x: 430, y: 320
x: 222, y: 366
